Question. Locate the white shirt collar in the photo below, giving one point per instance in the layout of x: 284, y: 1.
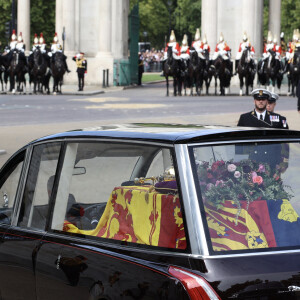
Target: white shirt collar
x: 259, y: 113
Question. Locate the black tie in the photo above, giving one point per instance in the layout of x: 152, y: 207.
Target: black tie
x: 261, y: 118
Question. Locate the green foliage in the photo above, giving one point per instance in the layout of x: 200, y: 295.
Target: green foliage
x: 42, y: 16
x: 156, y: 16
x: 5, y: 12
x: 290, y: 17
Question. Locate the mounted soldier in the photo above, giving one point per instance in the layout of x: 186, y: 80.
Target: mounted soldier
x: 185, y: 51
x: 57, y: 48
x: 268, y: 48
x: 197, y: 43
x: 223, y: 50
x: 204, y: 46
x: 243, y: 46
x: 175, y: 51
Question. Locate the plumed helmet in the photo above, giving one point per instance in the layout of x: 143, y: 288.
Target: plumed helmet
x: 55, y: 39
x: 41, y: 39
x: 13, y: 36
x: 245, y: 37
x: 269, y: 37
x: 275, y: 40
x: 197, y: 35
x: 282, y: 35
x: 185, y: 40
x: 204, y: 39
x: 20, y: 38
x: 172, y: 37
x: 35, y: 39
x: 221, y: 38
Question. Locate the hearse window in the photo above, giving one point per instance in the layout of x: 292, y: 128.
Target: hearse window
x: 9, y: 184
x: 39, y: 184
x: 119, y: 192
x: 250, y: 195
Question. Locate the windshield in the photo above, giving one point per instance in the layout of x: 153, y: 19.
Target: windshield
x: 249, y: 194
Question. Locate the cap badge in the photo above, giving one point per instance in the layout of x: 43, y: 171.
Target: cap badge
x: 260, y: 92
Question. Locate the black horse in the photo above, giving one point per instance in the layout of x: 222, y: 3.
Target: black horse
x: 38, y: 70
x: 222, y: 68
x: 246, y: 70
x: 294, y: 70
x: 172, y: 67
x: 58, y: 70
x: 209, y: 71
x: 270, y: 71
x: 17, y: 71
x: 194, y: 71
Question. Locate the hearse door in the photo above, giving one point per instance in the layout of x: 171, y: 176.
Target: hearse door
x: 22, y: 240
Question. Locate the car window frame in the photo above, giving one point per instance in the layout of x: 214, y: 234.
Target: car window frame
x: 205, y: 236
x: 105, y: 241
x: 13, y: 161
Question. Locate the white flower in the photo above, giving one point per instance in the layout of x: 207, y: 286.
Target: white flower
x: 237, y: 174
x: 231, y: 168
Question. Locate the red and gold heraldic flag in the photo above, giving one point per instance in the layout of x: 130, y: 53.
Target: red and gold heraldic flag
x: 139, y: 215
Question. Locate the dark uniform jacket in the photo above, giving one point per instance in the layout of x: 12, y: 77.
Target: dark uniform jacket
x: 272, y: 120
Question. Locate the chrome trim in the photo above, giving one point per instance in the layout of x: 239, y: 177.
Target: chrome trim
x: 190, y: 200
x: 243, y: 141
x: 232, y: 255
x: 21, y: 186
x: 106, y: 243
x: 99, y: 139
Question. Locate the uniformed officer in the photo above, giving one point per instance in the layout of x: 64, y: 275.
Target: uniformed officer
x: 81, y: 69
x: 271, y: 106
x: 260, y: 117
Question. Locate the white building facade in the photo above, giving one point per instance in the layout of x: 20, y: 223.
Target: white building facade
x: 99, y: 28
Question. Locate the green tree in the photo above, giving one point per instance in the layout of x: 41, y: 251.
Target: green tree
x: 290, y: 17
x: 5, y: 16
x: 42, y: 17
x: 156, y: 16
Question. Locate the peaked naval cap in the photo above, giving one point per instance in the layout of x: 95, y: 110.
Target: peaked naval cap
x: 261, y: 94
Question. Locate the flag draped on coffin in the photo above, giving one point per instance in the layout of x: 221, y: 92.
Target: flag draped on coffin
x: 258, y: 224
x: 137, y: 214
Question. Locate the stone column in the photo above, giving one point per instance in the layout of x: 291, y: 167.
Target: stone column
x: 105, y: 28
x: 59, y: 19
x: 275, y: 18
x: 252, y: 23
x: 69, y: 24
x: 24, y: 21
x: 209, y: 22
x: 120, y: 9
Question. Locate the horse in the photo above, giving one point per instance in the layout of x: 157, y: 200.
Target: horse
x: 58, y: 70
x: 38, y: 71
x: 246, y: 70
x: 17, y: 72
x: 209, y: 71
x: 223, y: 73
x: 294, y: 70
x: 269, y: 71
x: 172, y: 67
x: 194, y: 71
